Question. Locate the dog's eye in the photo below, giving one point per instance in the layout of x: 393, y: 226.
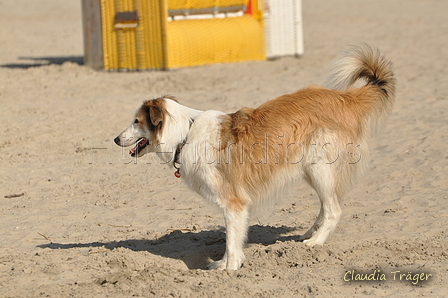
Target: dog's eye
x: 136, y: 121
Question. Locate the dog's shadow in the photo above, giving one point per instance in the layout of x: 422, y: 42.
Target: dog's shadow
x: 195, y: 249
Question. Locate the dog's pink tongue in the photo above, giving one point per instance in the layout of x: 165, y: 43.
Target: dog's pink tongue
x: 140, y: 144
x: 132, y: 151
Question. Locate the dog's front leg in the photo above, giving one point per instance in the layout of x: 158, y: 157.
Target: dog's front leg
x: 237, y: 223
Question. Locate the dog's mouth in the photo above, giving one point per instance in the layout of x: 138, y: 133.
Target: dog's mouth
x: 141, y: 144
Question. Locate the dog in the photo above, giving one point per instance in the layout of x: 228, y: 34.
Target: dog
x: 239, y: 160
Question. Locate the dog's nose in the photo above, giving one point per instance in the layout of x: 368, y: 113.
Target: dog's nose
x: 117, y: 141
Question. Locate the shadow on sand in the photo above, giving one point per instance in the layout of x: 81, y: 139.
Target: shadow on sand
x: 194, y: 249
x: 43, y: 61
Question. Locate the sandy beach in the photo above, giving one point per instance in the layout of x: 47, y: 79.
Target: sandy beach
x: 79, y: 218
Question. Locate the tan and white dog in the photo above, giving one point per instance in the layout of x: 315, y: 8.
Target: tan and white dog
x: 241, y: 159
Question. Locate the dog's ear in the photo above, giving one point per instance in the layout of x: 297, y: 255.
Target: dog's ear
x: 155, y: 115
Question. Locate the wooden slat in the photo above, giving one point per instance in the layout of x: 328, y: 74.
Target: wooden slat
x: 93, y: 41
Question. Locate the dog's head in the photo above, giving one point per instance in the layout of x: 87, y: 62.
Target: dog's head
x: 159, y: 125
x: 145, y: 129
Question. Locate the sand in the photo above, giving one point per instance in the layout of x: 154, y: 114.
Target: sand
x: 86, y: 221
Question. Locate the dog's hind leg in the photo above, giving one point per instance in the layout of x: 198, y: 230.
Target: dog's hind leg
x: 315, y: 226
x: 326, y: 222
x: 237, y: 224
x: 321, y: 178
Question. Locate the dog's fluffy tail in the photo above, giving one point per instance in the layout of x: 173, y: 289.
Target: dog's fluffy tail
x: 362, y: 62
x: 365, y: 62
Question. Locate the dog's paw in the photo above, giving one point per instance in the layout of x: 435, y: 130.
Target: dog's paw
x: 303, y: 238
x: 309, y: 234
x: 312, y: 242
x: 218, y: 265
